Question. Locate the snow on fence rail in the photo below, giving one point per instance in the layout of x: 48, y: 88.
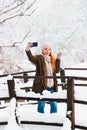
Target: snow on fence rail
x: 79, y: 81
x: 67, y: 84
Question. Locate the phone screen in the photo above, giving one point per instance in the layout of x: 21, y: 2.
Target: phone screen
x: 34, y: 44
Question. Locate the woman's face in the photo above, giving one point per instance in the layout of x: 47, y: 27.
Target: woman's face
x: 46, y: 51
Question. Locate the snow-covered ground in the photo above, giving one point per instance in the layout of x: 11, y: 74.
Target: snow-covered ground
x: 25, y: 111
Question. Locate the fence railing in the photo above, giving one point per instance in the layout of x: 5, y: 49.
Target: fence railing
x: 67, y: 82
x: 70, y: 92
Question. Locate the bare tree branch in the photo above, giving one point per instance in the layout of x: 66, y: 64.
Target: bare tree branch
x: 14, y: 44
x: 30, y: 5
x: 22, y: 39
x: 11, y: 8
x: 19, y: 14
x: 1, y: 22
x: 9, y: 66
x: 30, y: 13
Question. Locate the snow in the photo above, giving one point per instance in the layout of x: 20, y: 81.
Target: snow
x: 80, y: 114
x: 9, y: 77
x: 64, y: 24
x: 24, y: 112
x: 27, y: 110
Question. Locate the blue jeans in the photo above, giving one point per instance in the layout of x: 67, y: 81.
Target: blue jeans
x: 53, y: 105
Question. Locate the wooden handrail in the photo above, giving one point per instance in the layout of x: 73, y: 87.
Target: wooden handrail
x: 75, y: 68
x: 4, y: 75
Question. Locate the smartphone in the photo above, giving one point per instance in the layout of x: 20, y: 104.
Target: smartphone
x: 34, y: 44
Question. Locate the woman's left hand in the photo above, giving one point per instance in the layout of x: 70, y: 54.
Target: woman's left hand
x: 59, y: 54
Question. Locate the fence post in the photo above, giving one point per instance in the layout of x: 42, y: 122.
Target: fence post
x: 11, y: 85
x: 25, y: 77
x: 62, y: 74
x: 70, y: 101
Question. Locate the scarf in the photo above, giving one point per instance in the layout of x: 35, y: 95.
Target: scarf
x: 48, y: 70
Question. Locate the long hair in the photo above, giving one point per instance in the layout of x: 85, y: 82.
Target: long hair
x: 53, y: 60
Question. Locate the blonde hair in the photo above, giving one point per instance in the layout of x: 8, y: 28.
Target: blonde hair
x: 53, y: 60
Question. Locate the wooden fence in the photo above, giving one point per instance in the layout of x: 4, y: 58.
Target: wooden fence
x: 67, y: 82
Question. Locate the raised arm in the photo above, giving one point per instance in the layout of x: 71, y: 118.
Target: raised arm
x: 31, y: 57
x: 58, y: 61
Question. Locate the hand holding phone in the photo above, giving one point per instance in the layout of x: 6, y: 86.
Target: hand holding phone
x: 31, y: 44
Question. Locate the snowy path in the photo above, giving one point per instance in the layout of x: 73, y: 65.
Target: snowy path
x: 36, y: 127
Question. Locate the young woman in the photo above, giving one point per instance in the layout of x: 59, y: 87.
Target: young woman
x: 46, y: 65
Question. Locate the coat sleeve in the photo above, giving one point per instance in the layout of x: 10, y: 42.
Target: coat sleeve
x: 31, y: 57
x: 57, y: 65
